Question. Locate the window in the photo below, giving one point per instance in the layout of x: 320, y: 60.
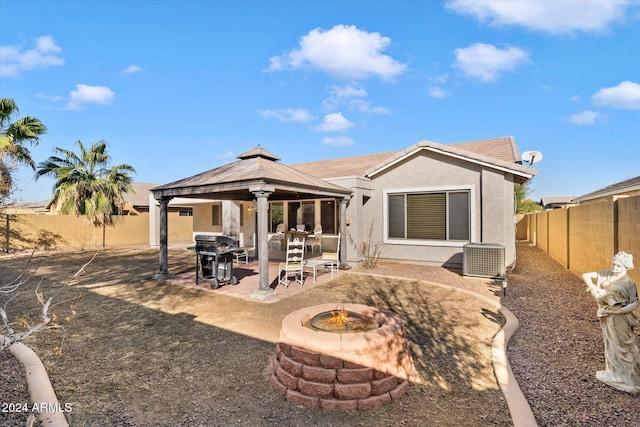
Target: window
x: 437, y: 215
x: 328, y: 216
x: 276, y: 215
x: 309, y: 215
x: 185, y: 213
x: 216, y: 215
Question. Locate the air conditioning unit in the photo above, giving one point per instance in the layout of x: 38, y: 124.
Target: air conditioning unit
x: 483, y: 260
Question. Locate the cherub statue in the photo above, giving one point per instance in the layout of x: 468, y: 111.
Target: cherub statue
x: 617, y: 298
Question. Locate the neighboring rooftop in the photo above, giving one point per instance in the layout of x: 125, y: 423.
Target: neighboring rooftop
x: 629, y: 186
x: 557, y: 202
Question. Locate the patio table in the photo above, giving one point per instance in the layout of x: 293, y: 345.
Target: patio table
x: 313, y: 265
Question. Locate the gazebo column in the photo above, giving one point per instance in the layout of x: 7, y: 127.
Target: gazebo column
x: 343, y: 233
x: 163, y: 272
x: 264, y: 290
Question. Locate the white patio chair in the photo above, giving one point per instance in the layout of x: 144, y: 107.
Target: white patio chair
x: 277, y: 239
x: 315, y: 242
x: 293, y: 264
x: 332, y: 258
x: 241, y: 257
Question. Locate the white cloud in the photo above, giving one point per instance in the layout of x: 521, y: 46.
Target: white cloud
x: 625, y: 96
x: 350, y: 96
x: 438, y: 92
x: 585, y: 118
x: 14, y: 60
x: 339, y: 141
x: 344, y: 52
x: 334, y: 122
x: 340, y: 95
x: 365, y: 107
x: 226, y: 155
x: 288, y: 115
x: 132, y: 69
x: 575, y: 98
x: 52, y: 98
x: 555, y: 17
x: 486, y: 62
x: 442, y: 79
x: 85, y: 94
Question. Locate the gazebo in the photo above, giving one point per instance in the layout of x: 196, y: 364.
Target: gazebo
x: 257, y: 176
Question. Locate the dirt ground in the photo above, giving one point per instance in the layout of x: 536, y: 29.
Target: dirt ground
x: 165, y: 355
x: 140, y: 353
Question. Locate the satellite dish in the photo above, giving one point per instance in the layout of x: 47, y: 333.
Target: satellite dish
x: 532, y: 157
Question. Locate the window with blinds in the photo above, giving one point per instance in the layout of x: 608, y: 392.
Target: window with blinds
x: 440, y: 215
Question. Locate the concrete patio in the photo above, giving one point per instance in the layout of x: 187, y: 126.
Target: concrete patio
x: 248, y: 279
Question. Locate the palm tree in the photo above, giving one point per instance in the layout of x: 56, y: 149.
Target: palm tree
x: 86, y: 185
x: 13, y: 136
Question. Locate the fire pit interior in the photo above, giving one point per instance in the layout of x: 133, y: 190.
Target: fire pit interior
x: 342, y: 321
x: 342, y: 357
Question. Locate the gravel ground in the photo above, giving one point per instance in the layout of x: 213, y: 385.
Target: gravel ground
x: 558, y: 348
x: 554, y: 354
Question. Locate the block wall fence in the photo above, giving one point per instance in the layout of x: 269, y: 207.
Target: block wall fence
x: 25, y: 232
x: 584, y: 238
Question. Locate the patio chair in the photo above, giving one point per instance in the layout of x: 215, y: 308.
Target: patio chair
x: 277, y: 239
x: 241, y: 257
x: 315, y: 242
x: 332, y: 258
x: 293, y: 264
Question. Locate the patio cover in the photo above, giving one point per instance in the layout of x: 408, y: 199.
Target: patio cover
x: 257, y: 175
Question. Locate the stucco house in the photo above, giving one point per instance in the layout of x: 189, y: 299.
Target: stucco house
x: 424, y: 203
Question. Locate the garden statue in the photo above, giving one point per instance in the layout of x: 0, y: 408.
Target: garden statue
x: 617, y: 298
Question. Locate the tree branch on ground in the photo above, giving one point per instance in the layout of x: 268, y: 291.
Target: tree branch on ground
x: 13, y: 331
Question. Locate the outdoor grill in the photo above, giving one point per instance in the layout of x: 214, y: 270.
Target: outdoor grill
x: 214, y: 254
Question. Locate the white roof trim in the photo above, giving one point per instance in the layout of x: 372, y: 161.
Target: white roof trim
x: 450, y: 154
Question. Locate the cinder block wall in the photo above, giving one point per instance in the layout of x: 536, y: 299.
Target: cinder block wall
x: 557, y: 226
x: 54, y: 231
x: 629, y: 231
x: 591, y: 237
x: 584, y: 238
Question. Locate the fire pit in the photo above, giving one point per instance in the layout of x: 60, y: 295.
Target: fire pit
x: 342, y: 357
x: 342, y: 321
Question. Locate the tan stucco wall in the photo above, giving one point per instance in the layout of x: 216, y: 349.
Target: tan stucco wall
x: 489, y: 189
x: 202, y: 218
x: 51, y: 231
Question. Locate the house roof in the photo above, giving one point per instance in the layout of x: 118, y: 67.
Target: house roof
x: 557, y: 201
x: 500, y: 153
x: 503, y: 148
x: 622, y: 187
x: 257, y: 169
x: 140, y: 194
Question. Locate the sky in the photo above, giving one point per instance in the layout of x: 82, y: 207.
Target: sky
x: 180, y: 87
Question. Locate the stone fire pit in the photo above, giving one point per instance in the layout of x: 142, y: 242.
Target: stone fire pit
x: 342, y: 371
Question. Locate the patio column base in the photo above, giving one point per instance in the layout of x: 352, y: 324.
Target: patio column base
x: 263, y: 294
x: 162, y: 276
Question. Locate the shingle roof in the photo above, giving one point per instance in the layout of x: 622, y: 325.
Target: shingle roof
x: 502, y: 150
x: 140, y: 195
x: 631, y: 184
x: 238, y: 177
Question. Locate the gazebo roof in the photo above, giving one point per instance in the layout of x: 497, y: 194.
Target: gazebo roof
x: 256, y: 170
